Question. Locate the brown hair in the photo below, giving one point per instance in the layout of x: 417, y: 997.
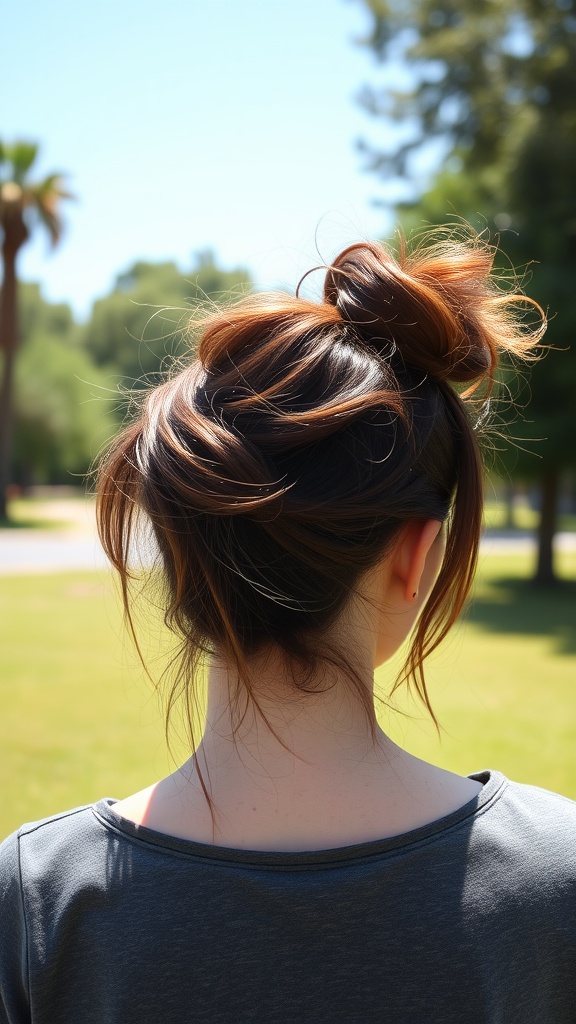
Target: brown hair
x: 279, y: 465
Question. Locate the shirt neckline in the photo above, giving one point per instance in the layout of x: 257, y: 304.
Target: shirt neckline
x: 493, y: 786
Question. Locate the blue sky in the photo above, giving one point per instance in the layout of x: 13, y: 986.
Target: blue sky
x: 186, y: 125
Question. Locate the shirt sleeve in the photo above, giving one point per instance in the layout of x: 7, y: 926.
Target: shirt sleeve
x: 14, y: 997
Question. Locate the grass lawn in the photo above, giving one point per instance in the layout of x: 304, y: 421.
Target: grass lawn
x: 504, y: 684
x: 79, y: 720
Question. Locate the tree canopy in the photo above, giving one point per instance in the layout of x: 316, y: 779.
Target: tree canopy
x: 494, y: 83
x: 72, y: 380
x: 135, y: 331
x: 62, y: 409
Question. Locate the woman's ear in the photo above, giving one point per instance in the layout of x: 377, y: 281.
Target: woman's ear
x: 411, y: 557
x: 407, y: 576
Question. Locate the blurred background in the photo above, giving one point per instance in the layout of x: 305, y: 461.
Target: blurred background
x: 154, y: 158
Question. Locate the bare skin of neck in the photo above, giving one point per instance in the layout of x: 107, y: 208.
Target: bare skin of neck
x: 313, y: 771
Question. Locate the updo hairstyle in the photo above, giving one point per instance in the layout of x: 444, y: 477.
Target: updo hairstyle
x: 280, y: 464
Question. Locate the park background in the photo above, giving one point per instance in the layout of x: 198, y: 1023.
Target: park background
x: 183, y: 154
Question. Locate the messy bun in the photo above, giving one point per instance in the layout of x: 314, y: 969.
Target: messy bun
x: 436, y: 310
x: 279, y: 465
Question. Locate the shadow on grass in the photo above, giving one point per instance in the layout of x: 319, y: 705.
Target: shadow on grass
x: 516, y: 606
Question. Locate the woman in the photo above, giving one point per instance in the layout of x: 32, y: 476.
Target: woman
x: 313, y: 482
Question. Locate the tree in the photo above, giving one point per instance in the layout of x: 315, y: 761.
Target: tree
x: 494, y: 83
x: 62, y: 412
x: 23, y: 203
x: 134, y: 333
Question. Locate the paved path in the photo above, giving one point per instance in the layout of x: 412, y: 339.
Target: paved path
x: 495, y: 542
x: 38, y: 551
x: 69, y: 545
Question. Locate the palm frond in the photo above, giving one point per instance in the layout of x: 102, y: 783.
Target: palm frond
x: 52, y: 184
x: 51, y: 221
x: 42, y: 198
x: 45, y: 199
x: 21, y: 156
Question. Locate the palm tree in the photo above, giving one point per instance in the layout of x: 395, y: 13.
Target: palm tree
x: 22, y: 204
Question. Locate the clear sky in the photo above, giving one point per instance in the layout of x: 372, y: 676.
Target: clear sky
x: 192, y: 124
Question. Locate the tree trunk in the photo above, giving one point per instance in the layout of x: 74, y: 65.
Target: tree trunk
x: 549, y: 489
x: 8, y: 345
x: 6, y: 403
x: 509, y: 497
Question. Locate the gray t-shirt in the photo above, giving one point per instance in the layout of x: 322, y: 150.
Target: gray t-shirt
x: 471, y: 919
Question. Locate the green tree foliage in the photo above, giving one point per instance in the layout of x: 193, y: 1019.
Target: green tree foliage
x: 134, y: 333
x: 494, y: 83
x: 62, y: 414
x: 71, y: 378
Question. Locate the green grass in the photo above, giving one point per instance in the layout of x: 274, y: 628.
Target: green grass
x: 79, y: 720
x: 504, y: 683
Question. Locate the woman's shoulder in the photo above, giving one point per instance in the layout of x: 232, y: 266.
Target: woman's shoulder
x: 532, y: 808
x: 525, y: 833
x: 55, y: 845
x: 70, y: 819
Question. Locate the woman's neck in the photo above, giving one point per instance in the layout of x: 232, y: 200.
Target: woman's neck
x: 309, y: 771
x: 278, y: 725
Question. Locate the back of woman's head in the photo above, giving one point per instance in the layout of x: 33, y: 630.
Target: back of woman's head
x: 281, y: 463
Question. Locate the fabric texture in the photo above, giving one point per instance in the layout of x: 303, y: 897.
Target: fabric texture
x: 469, y: 919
